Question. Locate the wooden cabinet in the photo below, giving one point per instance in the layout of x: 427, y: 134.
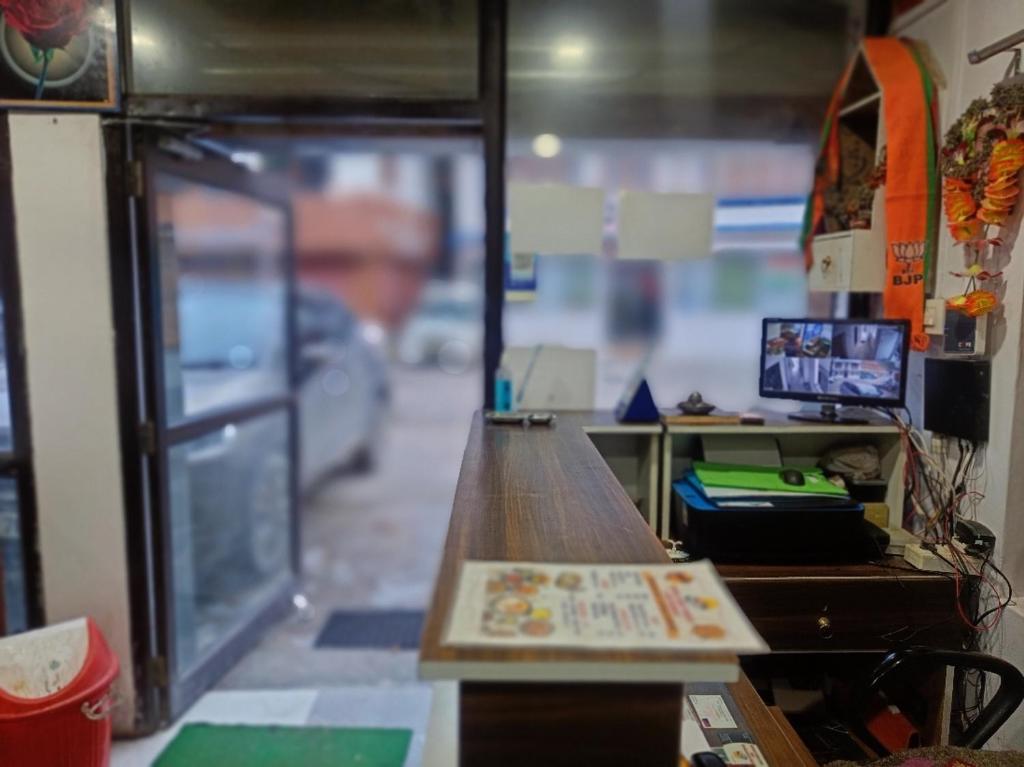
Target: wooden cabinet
x: 854, y: 260
x: 848, y: 261
x: 868, y: 608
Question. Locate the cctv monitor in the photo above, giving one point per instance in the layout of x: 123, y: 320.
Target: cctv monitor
x: 835, y: 362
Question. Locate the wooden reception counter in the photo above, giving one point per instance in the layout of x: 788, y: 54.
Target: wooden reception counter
x: 545, y: 494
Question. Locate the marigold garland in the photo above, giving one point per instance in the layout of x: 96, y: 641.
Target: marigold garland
x: 981, y: 161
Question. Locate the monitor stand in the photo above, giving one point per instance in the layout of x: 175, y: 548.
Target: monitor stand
x: 828, y: 414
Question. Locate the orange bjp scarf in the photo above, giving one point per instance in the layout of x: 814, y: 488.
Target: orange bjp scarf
x: 911, y: 184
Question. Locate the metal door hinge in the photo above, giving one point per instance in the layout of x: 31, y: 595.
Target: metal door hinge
x: 136, y: 179
x: 158, y: 671
x: 147, y: 437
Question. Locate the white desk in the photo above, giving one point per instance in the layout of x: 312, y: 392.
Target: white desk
x: 633, y: 453
x: 801, y: 445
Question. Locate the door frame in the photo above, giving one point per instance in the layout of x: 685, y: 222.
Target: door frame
x: 134, y: 158
x: 17, y: 463
x: 482, y: 117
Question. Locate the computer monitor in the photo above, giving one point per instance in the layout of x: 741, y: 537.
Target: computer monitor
x: 835, y: 362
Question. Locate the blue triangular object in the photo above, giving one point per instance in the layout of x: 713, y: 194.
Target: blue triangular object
x: 637, y: 405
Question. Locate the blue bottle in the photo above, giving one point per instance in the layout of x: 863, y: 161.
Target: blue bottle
x: 503, y: 390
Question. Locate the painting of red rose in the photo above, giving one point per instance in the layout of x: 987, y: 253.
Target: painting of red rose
x: 59, y: 52
x: 47, y: 24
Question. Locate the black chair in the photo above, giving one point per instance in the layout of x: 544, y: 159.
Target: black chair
x: 1000, y: 708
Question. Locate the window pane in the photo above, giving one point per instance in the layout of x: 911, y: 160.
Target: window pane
x: 6, y: 435
x: 711, y: 97
x: 222, y: 264
x: 230, y: 530
x: 11, y: 559
x: 397, y: 48
x: 676, y: 68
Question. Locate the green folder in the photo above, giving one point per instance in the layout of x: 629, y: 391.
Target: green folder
x: 763, y: 479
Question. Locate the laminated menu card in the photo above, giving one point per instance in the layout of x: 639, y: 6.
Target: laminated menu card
x: 630, y: 607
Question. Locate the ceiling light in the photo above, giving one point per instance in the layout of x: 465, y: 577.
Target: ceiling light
x: 571, y: 51
x: 547, y: 145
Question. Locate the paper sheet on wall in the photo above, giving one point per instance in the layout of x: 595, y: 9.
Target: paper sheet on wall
x: 552, y: 377
x: 665, y: 226
x: 556, y: 219
x: 521, y: 277
x: 656, y: 607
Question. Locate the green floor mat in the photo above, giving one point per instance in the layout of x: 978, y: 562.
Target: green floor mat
x: 207, y: 745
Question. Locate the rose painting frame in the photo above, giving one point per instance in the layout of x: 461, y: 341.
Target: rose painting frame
x: 58, y: 54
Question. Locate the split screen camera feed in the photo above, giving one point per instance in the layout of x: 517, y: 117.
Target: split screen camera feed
x: 833, y: 360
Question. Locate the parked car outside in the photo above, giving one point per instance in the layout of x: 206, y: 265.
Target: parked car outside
x: 238, y: 488
x: 447, y: 329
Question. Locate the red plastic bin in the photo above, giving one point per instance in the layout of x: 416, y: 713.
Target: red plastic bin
x: 70, y: 728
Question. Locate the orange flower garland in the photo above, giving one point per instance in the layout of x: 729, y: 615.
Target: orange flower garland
x: 971, y: 203
x: 981, y: 161
x: 960, y: 211
x: 1003, y: 187
x: 973, y: 304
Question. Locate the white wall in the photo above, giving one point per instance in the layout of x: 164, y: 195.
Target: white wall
x: 63, y: 252
x: 952, y: 28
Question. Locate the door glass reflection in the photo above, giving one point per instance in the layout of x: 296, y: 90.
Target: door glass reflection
x: 230, y: 496
x: 394, y: 49
x: 12, y: 564
x: 222, y: 266
x: 6, y: 435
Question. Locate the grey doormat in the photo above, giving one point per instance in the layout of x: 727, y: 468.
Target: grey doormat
x: 372, y: 629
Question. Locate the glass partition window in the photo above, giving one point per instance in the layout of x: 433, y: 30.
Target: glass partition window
x: 13, y: 591
x: 712, y: 97
x: 12, y: 563
x: 6, y: 432
x: 733, y: 69
x: 230, y: 530
x: 697, y: 322
x: 222, y: 265
x: 398, y: 48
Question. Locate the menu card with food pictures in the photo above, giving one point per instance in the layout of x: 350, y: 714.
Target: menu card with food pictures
x: 655, y: 607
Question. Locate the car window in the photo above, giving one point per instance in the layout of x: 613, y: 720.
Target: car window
x: 229, y: 326
x: 451, y: 310
x: 323, y: 319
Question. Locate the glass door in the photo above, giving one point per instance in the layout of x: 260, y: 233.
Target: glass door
x: 20, y: 602
x: 215, y: 309
x: 19, y: 608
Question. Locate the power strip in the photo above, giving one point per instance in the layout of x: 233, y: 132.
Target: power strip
x: 934, y: 561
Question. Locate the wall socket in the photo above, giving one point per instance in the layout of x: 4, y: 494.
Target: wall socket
x: 934, y: 316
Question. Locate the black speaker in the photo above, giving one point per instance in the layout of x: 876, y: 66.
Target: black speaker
x: 957, y: 394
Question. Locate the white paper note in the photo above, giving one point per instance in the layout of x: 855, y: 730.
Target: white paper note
x: 692, y: 740
x: 712, y: 712
x: 665, y: 226
x: 744, y: 753
x: 556, y: 219
x: 552, y: 377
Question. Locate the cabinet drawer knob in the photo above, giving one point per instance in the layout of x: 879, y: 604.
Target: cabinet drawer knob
x: 825, y: 627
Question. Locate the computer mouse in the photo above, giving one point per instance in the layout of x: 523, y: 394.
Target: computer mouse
x: 792, y: 477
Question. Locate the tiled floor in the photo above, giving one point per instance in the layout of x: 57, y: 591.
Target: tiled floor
x: 404, y: 707
x: 284, y: 707
x: 368, y: 542
x: 374, y: 542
